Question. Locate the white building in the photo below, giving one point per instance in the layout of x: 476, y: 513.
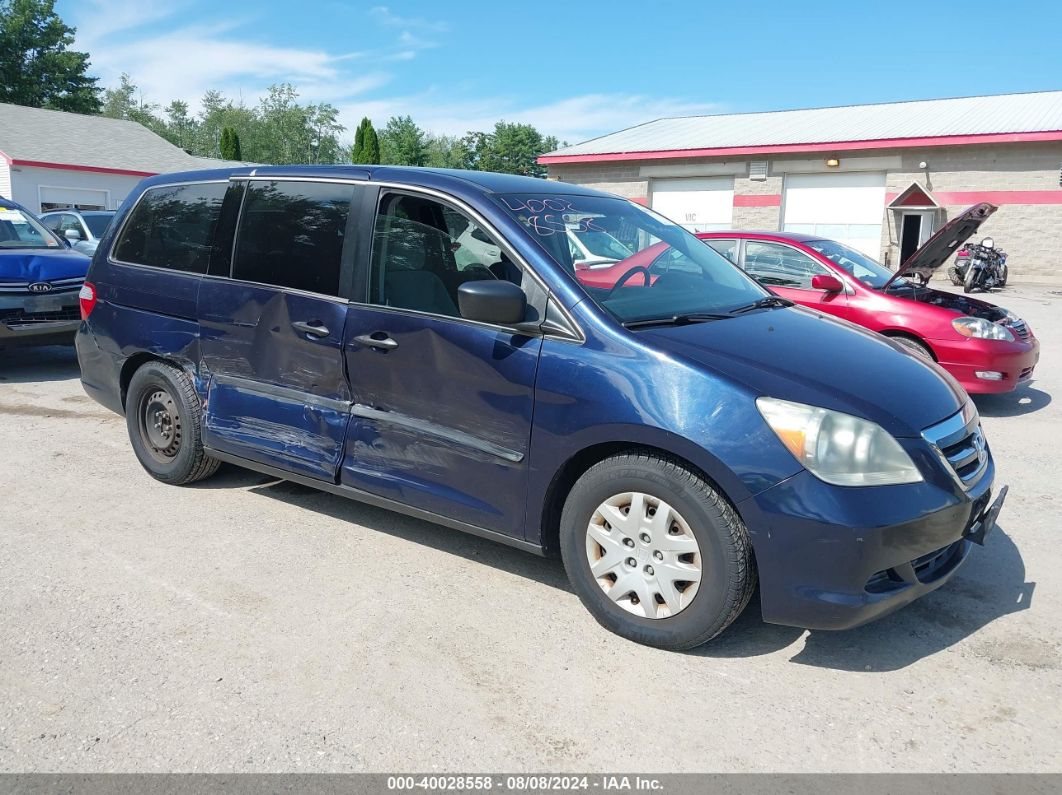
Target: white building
x: 50, y: 159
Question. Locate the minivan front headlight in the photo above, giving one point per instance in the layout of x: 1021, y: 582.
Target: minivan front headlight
x: 838, y: 448
x: 979, y: 328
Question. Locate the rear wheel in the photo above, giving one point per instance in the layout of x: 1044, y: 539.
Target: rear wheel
x: 164, y: 420
x: 654, y: 552
x: 1003, y: 276
x: 955, y: 276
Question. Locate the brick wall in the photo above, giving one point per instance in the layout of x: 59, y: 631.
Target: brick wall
x: 1029, y: 233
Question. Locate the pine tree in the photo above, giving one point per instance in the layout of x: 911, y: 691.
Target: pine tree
x: 358, y: 151
x: 230, y: 144
x: 366, y: 144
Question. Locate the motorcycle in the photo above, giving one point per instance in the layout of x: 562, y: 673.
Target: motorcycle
x: 979, y: 266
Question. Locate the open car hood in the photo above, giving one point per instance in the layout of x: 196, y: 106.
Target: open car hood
x: 935, y: 251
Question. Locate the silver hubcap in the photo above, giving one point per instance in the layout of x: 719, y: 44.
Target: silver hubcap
x: 643, y: 555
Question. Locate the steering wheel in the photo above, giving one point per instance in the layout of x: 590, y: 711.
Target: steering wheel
x: 625, y: 277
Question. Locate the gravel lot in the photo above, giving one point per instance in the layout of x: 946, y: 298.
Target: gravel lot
x: 253, y: 625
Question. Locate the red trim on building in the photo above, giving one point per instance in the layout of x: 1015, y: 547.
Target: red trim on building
x: 967, y: 197
x: 758, y: 200
x: 5, y: 157
x: 833, y: 146
x: 642, y: 200
x: 72, y: 167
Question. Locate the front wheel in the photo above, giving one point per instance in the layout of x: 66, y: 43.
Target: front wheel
x: 654, y: 552
x: 970, y: 282
x: 1003, y: 276
x: 164, y: 419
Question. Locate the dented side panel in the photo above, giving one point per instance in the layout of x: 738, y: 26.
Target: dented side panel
x: 274, y: 394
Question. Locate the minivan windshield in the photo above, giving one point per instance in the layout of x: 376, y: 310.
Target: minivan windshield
x: 666, y: 272
x: 19, y: 229
x: 870, y: 272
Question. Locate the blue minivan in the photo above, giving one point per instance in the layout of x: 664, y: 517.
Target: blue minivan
x: 678, y: 436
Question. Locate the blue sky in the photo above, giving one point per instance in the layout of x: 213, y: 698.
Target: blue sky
x: 574, y: 69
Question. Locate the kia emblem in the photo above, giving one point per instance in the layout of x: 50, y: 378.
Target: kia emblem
x: 40, y: 287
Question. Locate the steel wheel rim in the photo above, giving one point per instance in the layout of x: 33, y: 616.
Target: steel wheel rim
x: 160, y: 425
x: 643, y: 555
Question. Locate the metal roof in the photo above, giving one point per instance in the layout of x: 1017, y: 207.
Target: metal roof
x: 1031, y: 113
x: 53, y: 137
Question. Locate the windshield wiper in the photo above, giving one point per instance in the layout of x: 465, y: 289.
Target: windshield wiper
x: 763, y: 303
x: 678, y: 320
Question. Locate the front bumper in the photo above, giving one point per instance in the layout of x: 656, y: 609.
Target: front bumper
x: 964, y: 358
x: 38, y: 320
x: 831, y: 557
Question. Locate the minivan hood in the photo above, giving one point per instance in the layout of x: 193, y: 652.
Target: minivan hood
x: 800, y: 355
x: 41, y: 264
x: 935, y: 251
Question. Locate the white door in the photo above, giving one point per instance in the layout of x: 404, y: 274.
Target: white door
x: 846, y: 207
x: 81, y: 198
x: 701, y: 204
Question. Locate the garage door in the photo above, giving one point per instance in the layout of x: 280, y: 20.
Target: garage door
x: 701, y: 204
x: 843, y: 207
x: 79, y: 198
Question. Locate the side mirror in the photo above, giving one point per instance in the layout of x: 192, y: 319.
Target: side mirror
x: 827, y: 282
x: 72, y: 234
x: 492, y: 301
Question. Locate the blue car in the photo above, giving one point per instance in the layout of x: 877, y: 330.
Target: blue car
x: 676, y: 436
x: 40, y: 278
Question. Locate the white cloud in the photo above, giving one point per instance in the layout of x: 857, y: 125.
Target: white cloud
x: 384, y: 16
x: 570, y: 119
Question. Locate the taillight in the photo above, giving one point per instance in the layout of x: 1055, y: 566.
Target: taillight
x: 87, y: 298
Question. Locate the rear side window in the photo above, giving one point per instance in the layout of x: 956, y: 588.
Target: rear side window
x: 291, y: 235
x: 172, y: 227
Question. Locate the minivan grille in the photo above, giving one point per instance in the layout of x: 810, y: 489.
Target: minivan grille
x: 961, y: 445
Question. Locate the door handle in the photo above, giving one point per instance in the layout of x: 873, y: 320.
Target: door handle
x: 314, y: 328
x: 378, y: 340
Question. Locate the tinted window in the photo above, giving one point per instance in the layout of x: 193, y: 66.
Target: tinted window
x: 424, y: 250
x: 97, y: 224
x: 780, y: 266
x: 728, y: 248
x: 291, y: 235
x: 172, y: 227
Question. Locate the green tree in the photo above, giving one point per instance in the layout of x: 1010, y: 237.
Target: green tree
x: 230, y: 144
x: 403, y: 143
x: 371, y: 154
x: 36, y: 66
x: 445, y: 151
x: 357, y: 152
x: 366, y: 144
x: 126, y: 102
x: 180, y: 127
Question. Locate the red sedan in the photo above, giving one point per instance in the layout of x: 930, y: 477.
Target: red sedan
x: 985, y: 347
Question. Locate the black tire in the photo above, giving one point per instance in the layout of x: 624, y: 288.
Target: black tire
x: 1003, y: 278
x: 914, y: 346
x: 728, y: 574
x: 956, y: 278
x: 970, y: 281
x: 167, y: 394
